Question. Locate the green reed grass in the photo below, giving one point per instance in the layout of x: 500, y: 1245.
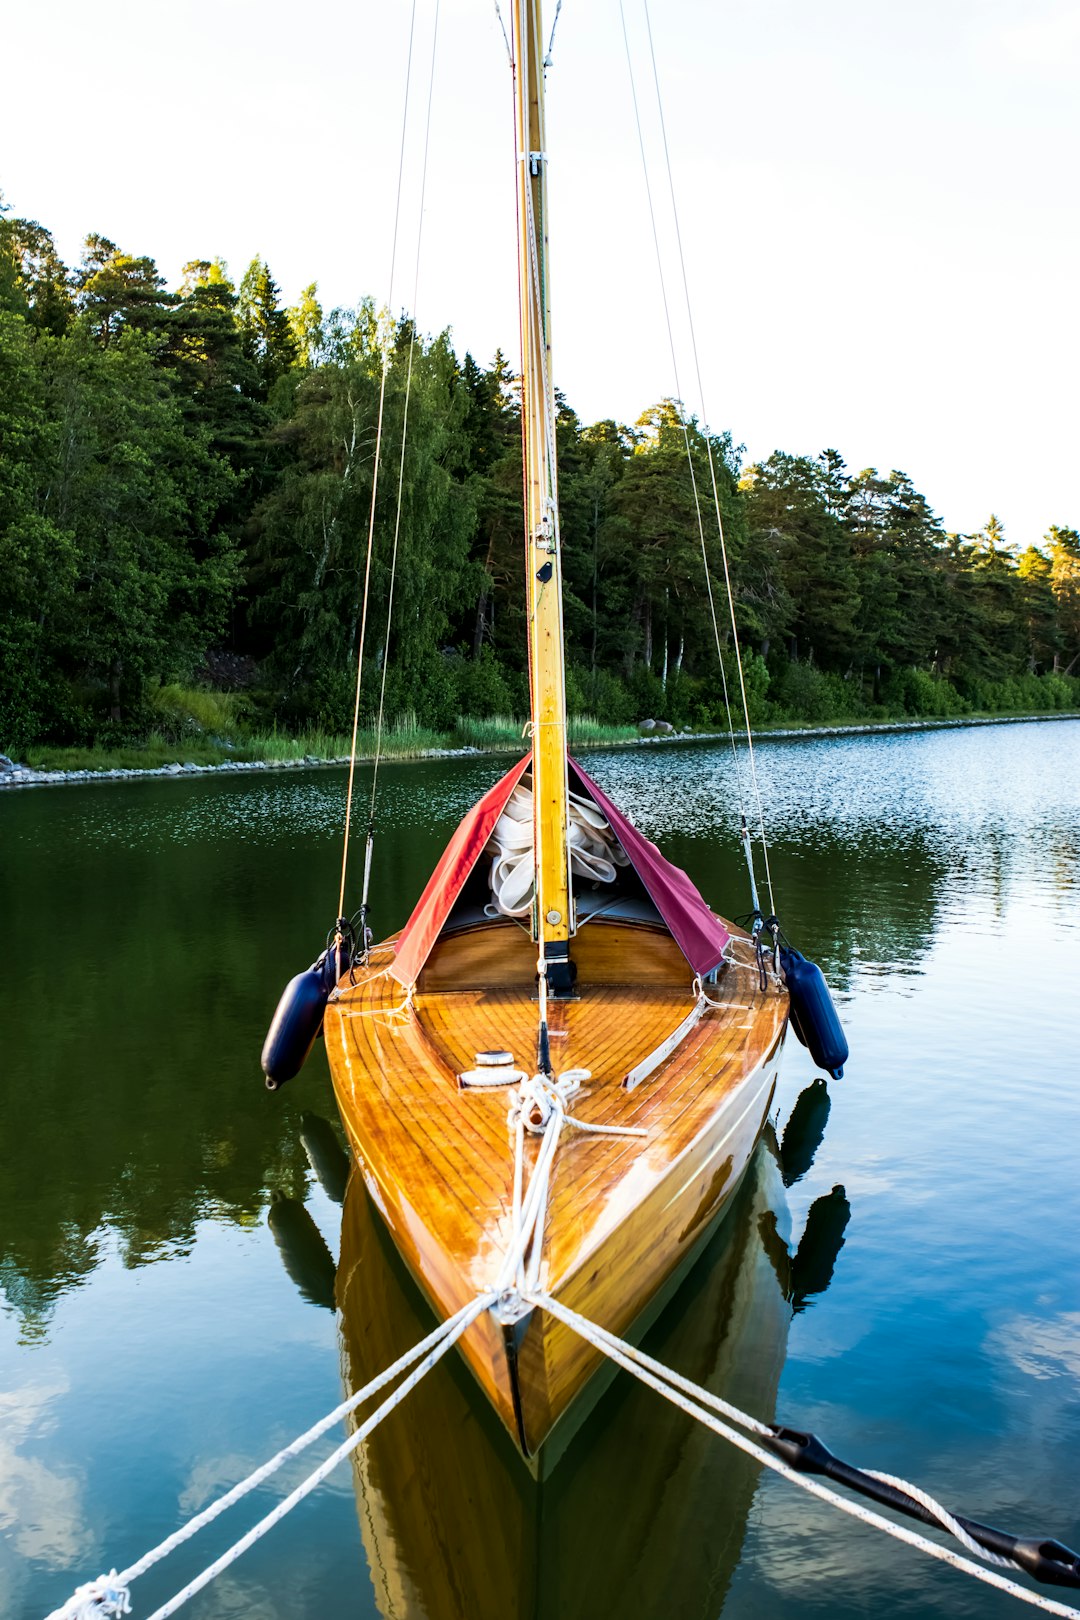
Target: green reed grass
x: 197, y: 708
x: 588, y: 732
x: 215, y: 730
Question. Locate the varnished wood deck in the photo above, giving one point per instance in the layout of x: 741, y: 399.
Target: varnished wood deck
x: 623, y: 1212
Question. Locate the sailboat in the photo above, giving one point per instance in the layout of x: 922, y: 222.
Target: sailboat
x: 554, y: 1076
x: 556, y: 962
x: 455, y: 1529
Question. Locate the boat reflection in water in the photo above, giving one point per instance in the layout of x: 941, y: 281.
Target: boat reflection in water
x: 644, y: 1511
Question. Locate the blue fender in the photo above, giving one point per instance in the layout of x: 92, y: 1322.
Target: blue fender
x: 297, y: 1021
x: 813, y: 1015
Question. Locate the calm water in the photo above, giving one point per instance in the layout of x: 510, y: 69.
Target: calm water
x: 166, y: 1280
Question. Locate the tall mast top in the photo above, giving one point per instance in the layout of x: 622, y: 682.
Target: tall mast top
x: 553, y: 921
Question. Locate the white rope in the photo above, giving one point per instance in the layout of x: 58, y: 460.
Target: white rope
x: 401, y: 461
x: 682, y: 420
x: 96, y: 1600
x: 394, y: 1017
x: 712, y: 469
x: 108, y: 1595
x: 539, y: 1109
x: 527, y: 1209
x: 946, y: 1520
x: 389, y: 1017
x: 375, y: 475
x: 696, y: 1403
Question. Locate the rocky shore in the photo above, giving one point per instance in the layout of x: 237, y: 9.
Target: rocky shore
x: 14, y: 775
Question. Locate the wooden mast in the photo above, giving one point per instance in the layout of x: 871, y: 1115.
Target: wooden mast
x: 553, y: 922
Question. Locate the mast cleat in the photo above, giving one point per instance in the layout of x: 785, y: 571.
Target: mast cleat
x: 561, y: 971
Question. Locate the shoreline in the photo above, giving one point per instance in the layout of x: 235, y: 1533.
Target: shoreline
x: 18, y: 776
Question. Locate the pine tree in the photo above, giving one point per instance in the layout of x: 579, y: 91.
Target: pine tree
x: 116, y: 292
x: 269, y: 342
x: 1065, y: 581
x: 33, y: 278
x: 306, y: 326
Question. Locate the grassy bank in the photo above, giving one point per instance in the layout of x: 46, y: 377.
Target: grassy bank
x: 206, y: 726
x: 406, y: 740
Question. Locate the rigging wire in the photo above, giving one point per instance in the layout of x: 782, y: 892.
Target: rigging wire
x: 682, y: 418
x: 401, y: 463
x: 543, y: 1056
x: 551, y: 41
x: 505, y: 35
x: 375, y: 475
x: 549, y: 423
x: 712, y: 464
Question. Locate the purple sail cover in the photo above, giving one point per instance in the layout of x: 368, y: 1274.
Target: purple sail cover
x: 698, y: 933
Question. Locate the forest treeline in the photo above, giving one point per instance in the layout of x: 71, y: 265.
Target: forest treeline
x: 185, y: 485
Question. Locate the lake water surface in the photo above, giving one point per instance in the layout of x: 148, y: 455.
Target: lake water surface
x: 169, y: 1313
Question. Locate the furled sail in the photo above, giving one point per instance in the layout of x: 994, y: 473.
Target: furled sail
x: 700, y: 935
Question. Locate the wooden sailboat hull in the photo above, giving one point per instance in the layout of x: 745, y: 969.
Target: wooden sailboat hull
x: 625, y: 1214
x: 645, y: 1513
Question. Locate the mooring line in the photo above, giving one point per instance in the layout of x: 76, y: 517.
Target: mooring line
x: 696, y: 1405
x: 109, y: 1595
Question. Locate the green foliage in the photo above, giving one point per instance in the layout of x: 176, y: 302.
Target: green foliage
x: 917, y: 692
x: 34, y: 280
x: 756, y: 680
x: 600, y: 692
x: 188, y: 481
x: 117, y: 292
x: 494, y: 731
x: 1059, y: 693
x: 482, y: 686
x: 808, y: 693
x: 805, y: 585
x: 1064, y: 547
x: 306, y: 326
x: 193, y: 711
x: 148, y: 754
x: 114, y: 567
x: 270, y: 343
x: 586, y: 731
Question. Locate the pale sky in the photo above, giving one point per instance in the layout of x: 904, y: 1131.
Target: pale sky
x: 879, y: 202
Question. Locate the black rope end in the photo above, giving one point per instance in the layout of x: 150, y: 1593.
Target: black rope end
x: 1048, y: 1561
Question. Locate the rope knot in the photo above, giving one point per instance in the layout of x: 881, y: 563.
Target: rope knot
x: 102, y: 1599
x: 537, y: 1100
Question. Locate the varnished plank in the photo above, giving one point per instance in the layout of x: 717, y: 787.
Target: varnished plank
x: 500, y: 954
x: 622, y: 1211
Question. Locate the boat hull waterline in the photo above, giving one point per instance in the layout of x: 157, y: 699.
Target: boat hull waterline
x: 624, y: 1213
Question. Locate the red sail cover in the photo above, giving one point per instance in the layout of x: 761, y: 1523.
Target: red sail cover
x: 448, y: 879
x: 699, y: 935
